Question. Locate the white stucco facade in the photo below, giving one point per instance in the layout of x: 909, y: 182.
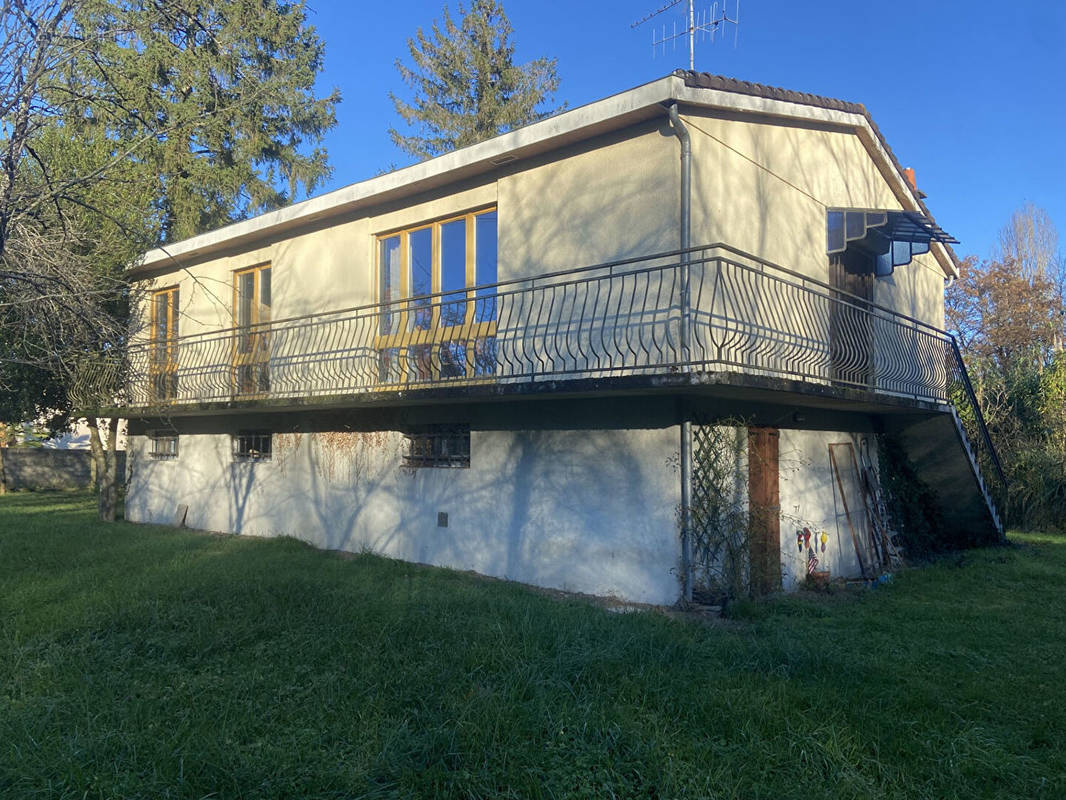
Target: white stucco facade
x: 590, y: 511
x: 585, y: 498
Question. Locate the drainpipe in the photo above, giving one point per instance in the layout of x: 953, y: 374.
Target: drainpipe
x: 681, y: 132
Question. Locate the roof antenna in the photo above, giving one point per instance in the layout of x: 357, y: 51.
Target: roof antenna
x: 708, y: 23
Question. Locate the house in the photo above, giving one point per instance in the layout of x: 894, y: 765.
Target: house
x: 510, y: 358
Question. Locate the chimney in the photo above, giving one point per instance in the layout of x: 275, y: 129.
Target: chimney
x: 908, y: 173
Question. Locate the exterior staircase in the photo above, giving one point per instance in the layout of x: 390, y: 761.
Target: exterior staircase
x: 953, y: 453
x: 944, y: 459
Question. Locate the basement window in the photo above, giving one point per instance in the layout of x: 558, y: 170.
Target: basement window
x: 438, y: 446
x: 252, y: 445
x: 163, y: 445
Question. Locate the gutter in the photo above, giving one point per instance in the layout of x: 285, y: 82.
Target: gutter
x: 681, y: 132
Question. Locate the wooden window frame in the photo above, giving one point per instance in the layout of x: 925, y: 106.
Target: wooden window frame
x: 403, y: 340
x: 251, y: 351
x: 163, y: 372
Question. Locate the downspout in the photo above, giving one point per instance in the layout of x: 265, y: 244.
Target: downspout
x: 681, y: 132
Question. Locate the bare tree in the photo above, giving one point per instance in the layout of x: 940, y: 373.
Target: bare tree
x: 122, y: 124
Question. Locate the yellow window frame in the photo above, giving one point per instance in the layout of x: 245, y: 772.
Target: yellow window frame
x: 402, y: 339
x: 163, y: 370
x: 250, y: 349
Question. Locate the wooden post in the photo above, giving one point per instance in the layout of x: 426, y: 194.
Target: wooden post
x: 764, y: 510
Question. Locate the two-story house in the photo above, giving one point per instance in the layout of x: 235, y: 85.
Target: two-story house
x: 500, y: 359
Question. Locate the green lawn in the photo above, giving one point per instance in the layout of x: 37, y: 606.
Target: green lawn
x: 139, y: 661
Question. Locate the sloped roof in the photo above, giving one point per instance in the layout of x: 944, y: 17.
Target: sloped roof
x: 610, y: 113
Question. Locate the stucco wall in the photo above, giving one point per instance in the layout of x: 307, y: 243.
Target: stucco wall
x: 810, y: 497
x: 764, y: 188
x: 581, y: 510
x: 572, y: 209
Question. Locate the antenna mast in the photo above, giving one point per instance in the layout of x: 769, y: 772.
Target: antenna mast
x: 708, y: 23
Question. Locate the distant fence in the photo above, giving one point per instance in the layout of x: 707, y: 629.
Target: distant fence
x: 40, y: 468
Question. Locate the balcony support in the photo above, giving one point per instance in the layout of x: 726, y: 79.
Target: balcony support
x: 686, y: 419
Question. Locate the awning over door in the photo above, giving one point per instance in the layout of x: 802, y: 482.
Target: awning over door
x: 889, y: 238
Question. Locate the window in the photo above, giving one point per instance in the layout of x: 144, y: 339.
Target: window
x: 438, y: 446
x: 435, y: 324
x: 252, y: 445
x: 163, y: 444
x: 251, y: 345
x: 163, y: 369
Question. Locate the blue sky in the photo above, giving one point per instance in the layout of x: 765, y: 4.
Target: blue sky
x: 970, y: 94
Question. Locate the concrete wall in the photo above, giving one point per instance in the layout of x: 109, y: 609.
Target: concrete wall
x: 44, y: 468
x: 587, y: 510
x: 552, y: 498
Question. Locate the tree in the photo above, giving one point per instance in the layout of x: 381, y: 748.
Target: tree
x: 124, y: 125
x: 1007, y: 314
x: 466, y: 85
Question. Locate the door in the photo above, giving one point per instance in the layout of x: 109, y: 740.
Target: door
x: 251, y: 346
x: 164, y: 359
x: 850, y: 323
x: 764, y: 509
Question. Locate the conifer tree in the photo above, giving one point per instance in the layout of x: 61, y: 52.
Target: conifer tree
x: 466, y: 85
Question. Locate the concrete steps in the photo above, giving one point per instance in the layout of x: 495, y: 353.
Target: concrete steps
x: 944, y: 459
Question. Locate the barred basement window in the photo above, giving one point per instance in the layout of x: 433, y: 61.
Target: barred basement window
x: 252, y: 445
x: 438, y: 446
x: 163, y: 444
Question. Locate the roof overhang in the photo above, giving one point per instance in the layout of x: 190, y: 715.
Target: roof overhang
x: 569, y: 127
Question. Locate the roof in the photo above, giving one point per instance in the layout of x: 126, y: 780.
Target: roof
x: 706, y: 80
x: 611, y: 113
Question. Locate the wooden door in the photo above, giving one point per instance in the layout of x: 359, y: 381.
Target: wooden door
x: 850, y: 325
x: 764, y: 509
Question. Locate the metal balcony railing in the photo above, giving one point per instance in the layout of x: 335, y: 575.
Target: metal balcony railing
x: 623, y: 318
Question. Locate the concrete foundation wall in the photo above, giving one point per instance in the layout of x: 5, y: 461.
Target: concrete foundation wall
x: 585, y: 508
x: 581, y: 510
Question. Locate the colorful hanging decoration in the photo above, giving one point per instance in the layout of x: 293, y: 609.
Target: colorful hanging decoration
x: 799, y: 541
x: 825, y: 538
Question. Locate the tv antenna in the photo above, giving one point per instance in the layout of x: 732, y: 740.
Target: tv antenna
x: 706, y: 23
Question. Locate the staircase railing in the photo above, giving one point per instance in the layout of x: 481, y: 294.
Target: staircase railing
x: 962, y: 396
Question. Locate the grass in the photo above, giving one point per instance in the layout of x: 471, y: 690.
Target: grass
x: 140, y: 661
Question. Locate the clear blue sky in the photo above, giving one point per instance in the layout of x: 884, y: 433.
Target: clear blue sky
x: 971, y: 94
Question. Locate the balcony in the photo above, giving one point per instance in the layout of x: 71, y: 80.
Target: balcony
x: 667, y: 321
x: 716, y: 311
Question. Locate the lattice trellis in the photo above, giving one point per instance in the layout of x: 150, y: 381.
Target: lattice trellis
x: 719, y: 508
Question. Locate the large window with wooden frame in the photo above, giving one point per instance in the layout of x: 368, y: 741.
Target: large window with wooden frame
x: 164, y: 337
x: 251, y: 344
x: 435, y: 323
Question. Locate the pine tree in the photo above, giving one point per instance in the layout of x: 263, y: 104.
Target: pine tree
x: 466, y: 85
x: 125, y: 125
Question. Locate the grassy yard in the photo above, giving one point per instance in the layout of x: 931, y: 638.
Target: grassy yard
x: 145, y: 662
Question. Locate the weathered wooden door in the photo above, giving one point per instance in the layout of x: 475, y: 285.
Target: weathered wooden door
x: 850, y: 325
x: 764, y: 509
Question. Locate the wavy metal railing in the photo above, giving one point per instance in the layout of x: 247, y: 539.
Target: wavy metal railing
x: 622, y: 318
